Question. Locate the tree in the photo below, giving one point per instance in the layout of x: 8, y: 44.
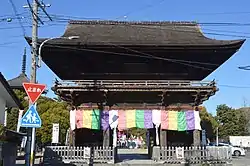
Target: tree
x: 56, y: 112
x: 208, y: 123
x: 232, y: 122
x: 12, y: 115
x: 50, y: 110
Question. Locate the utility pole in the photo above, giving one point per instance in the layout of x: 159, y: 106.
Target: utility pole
x: 29, y: 160
x: 31, y: 132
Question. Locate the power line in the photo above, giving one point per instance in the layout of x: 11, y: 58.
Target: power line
x: 69, y: 17
x: 233, y: 86
x: 132, y: 55
x: 142, y: 8
x: 16, y: 14
x: 221, y: 85
x: 33, y: 13
x: 187, y: 63
x: 8, y: 43
x: 43, y: 9
x: 159, y: 58
x: 223, y: 13
x: 11, y: 15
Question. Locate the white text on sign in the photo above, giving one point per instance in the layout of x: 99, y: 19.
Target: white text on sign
x: 38, y: 90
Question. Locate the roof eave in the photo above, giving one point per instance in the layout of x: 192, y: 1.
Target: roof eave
x: 229, y: 44
x: 10, y: 91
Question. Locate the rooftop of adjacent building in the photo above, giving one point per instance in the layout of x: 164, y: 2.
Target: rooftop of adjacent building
x: 8, y: 94
x: 17, y: 82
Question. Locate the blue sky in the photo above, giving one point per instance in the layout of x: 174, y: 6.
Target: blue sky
x: 12, y: 42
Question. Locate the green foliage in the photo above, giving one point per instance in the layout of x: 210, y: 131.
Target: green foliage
x: 13, y: 113
x: 232, y: 122
x: 209, y: 123
x: 138, y: 132
x: 50, y: 110
x: 56, y: 112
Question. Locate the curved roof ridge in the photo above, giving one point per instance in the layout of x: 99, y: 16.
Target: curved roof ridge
x: 108, y: 22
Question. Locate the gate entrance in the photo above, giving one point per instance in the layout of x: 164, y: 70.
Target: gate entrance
x: 136, y: 66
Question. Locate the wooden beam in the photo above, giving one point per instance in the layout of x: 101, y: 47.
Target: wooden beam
x: 126, y: 106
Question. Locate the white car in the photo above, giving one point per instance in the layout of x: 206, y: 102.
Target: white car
x: 236, y: 151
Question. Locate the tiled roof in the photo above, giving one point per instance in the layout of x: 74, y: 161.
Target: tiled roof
x: 17, y: 83
x: 10, y: 91
x: 138, y: 33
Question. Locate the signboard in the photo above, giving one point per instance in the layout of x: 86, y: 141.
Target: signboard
x: 55, y: 133
x: 23, y: 143
x: 31, y: 118
x: 86, y: 152
x: 34, y: 91
x: 19, y: 120
x: 179, y: 153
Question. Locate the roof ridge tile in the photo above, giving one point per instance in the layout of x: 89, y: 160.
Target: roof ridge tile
x: 108, y: 22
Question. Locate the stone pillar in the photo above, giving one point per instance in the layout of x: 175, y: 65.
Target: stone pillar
x: 163, y: 137
x: 196, y: 138
x: 106, y: 137
x: 72, y: 138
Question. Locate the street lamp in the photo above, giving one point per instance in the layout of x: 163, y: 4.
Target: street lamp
x: 45, y: 41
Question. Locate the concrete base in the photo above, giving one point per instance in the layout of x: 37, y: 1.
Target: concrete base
x: 156, y: 153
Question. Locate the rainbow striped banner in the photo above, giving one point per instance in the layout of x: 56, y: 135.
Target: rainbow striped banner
x: 134, y: 118
x: 88, y: 119
x: 169, y: 120
x: 180, y: 120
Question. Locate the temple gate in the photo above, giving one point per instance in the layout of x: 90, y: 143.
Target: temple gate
x: 135, y: 69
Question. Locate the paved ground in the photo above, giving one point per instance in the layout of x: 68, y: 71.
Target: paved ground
x: 129, y: 157
x: 242, y: 161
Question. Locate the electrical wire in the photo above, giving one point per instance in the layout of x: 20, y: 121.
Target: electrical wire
x: 15, y: 12
x: 9, y: 28
x: 233, y: 86
x: 33, y: 13
x: 188, y: 31
x: 152, y: 56
x: 223, y: 13
x: 236, y: 32
x: 11, y: 15
x: 156, y: 57
x: 126, y: 54
x: 68, y: 17
x: 142, y: 8
x: 8, y: 43
x: 220, y: 85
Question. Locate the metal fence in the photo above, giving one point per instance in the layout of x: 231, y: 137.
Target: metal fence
x: 195, y: 155
x: 73, y: 154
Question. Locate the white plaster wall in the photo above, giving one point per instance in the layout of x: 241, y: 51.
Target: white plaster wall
x: 2, y: 110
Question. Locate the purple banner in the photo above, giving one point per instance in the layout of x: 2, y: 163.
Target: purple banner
x: 190, y: 120
x: 104, y: 120
x: 148, y: 119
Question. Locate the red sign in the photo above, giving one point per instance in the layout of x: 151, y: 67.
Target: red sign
x: 34, y: 91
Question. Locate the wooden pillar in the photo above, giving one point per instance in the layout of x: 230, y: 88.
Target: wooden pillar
x: 106, y: 137
x: 163, y: 137
x: 196, y: 138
